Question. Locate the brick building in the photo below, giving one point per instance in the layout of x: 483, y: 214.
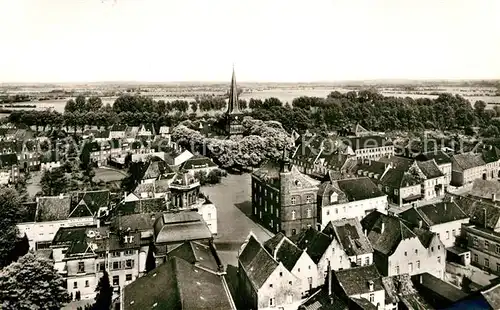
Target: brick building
x: 283, y: 199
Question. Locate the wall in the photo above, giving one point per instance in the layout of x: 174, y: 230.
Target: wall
x: 449, y: 231
x: 306, y: 270
x: 378, y: 297
x: 266, y: 207
x: 366, y: 259
x: 209, y: 214
x: 352, y: 209
x: 446, y: 170
x: 281, y: 288
x: 485, y: 251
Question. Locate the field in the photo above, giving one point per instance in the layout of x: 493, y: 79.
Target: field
x: 108, y: 175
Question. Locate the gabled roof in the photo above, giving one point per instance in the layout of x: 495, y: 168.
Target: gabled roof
x: 359, y: 189
x: 398, y: 162
x: 269, y: 172
x: 177, y: 284
x: 491, y: 154
x: 314, y: 242
x: 394, y: 232
x: 349, y: 234
x: 197, y: 162
x: 288, y: 254
x: 398, y: 179
x: 88, y: 203
x: 321, y: 301
x: 461, y: 162
x: 271, y: 244
x: 53, y: 208
x: 439, y: 157
x: 354, y: 281
x: 434, y: 214
x: 257, y: 263
x: 156, y: 169
x: 477, y: 209
x: 485, y: 189
x: 198, y: 254
x: 181, y: 226
x: 400, y: 288
x: 118, y: 127
x: 430, y: 169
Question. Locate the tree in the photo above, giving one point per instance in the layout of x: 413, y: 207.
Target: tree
x: 10, y: 214
x: 104, y: 295
x: 54, y: 182
x: 32, y: 283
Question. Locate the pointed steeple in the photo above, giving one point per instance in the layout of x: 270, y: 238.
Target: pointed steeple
x: 233, y: 105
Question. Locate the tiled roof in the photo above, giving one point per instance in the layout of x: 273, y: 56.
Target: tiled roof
x: 53, y: 208
x: 398, y: 179
x: 439, y: 156
x: 359, y: 189
x: 147, y: 205
x: 377, y: 167
x: 181, y: 226
x: 439, y: 287
x: 89, y: 203
x: 119, y: 127
x: 461, y: 162
x: 321, y: 301
x: 394, y: 232
x: 363, y: 303
x: 398, y: 163
x: 430, y: 169
x: 288, y: 254
x: 485, y: 189
x: 349, y: 234
x: 177, y: 284
x: 156, y: 168
x: 197, y: 162
x: 258, y: 264
x: 271, y: 244
x: 354, y: 281
x: 196, y: 253
x: 476, y: 209
x: 315, y: 242
x: 434, y: 214
x: 140, y: 222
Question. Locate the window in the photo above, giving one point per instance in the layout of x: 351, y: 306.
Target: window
x: 486, y: 263
x: 209, y: 216
x: 397, y: 269
x: 265, y: 206
x: 129, y: 263
x: 439, y: 235
x: 358, y: 261
x: 271, y: 285
x: 116, y: 280
x: 260, y: 214
x: 453, y: 232
x: 281, y: 274
x: 439, y: 259
x: 75, y: 284
x: 475, y: 241
x: 129, y: 252
x: 86, y: 283
x: 447, y: 235
x: 432, y: 249
x: 116, y: 265
x: 293, y: 200
x: 367, y: 261
x: 372, y: 298
x: 406, y: 253
x: 309, y: 213
x: 81, y: 267
x: 293, y: 215
x: 102, y: 255
x: 418, y: 264
x: 486, y: 244
x: 416, y: 251
x: 327, y: 212
x: 271, y: 302
x: 290, y: 282
x: 410, y: 267
x: 116, y: 254
x: 476, y: 258
x: 439, y: 247
x: 308, y: 199
x: 498, y: 249
x: 128, y: 277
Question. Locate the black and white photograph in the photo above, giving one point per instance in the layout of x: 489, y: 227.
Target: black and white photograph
x: 249, y: 154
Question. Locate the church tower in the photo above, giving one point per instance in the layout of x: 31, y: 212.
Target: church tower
x: 234, y: 116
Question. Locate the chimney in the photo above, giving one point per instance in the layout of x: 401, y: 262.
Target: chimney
x: 444, y: 206
x: 366, y: 232
x: 370, y: 285
x: 329, y: 278
x: 126, y: 239
x: 61, y: 196
x: 420, y: 279
x: 485, y: 219
x: 383, y: 228
x: 130, y: 238
x: 419, y: 223
x: 451, y: 198
x: 494, y: 197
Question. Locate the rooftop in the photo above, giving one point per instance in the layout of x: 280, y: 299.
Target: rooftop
x: 314, y: 242
x: 354, y: 281
x: 434, y: 214
x: 181, y: 226
x: 257, y: 262
x: 349, y: 234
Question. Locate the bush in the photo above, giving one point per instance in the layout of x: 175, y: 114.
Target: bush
x: 213, y: 177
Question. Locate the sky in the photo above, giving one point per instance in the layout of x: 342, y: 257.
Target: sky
x: 266, y: 40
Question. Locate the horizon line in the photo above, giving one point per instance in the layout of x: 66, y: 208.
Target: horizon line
x: 363, y: 81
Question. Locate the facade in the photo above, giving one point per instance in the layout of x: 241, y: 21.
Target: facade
x: 349, y: 198
x: 117, y: 131
x: 295, y: 260
x: 265, y: 283
x: 442, y: 160
x: 283, y: 199
x: 398, y: 249
x: 199, y: 163
x: 444, y: 219
x: 370, y: 147
x: 470, y: 166
x: 81, y: 254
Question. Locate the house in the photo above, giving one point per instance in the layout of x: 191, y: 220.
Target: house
x: 369, y: 147
x: 165, y: 133
x: 178, y: 284
x: 398, y: 249
x: 156, y: 169
x: 400, y: 293
x: 363, y: 283
x: 283, y: 199
x: 350, y: 242
x: 156, y: 189
x: 295, y: 260
x: 81, y: 254
x: 438, y: 293
x: 131, y: 133
x: 263, y: 281
x: 470, y: 166
x: 487, y: 190
x: 481, y: 235
x: 348, y: 198
x: 172, y: 229
x: 443, y: 218
x: 442, y: 160
x: 117, y: 131
x: 175, y: 157
x: 53, y: 212
x: 146, y: 131
x: 102, y: 136
x: 198, y: 163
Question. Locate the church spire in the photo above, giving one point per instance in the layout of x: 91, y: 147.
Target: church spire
x: 233, y: 104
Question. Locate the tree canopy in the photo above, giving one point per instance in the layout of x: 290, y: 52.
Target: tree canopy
x: 10, y: 214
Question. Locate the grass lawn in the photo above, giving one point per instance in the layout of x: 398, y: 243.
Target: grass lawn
x: 109, y: 174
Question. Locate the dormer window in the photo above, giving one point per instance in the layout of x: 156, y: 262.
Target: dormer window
x: 334, y: 197
x: 297, y: 183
